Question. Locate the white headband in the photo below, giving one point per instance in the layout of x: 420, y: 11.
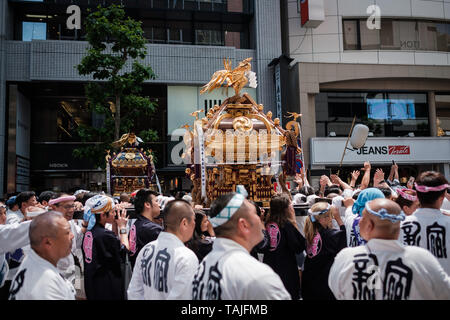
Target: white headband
x: 318, y: 213
x: 232, y: 206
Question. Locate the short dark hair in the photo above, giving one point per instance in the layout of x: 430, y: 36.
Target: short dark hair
x: 46, y: 196
x: 405, y: 202
x: 217, y: 206
x: 430, y: 179
x: 124, y: 197
x: 332, y: 189
x: 386, y: 191
x: 173, y: 217
x: 24, y: 197
x: 143, y: 196
x: 307, y: 190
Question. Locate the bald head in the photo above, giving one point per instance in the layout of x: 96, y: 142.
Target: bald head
x: 175, y: 211
x: 44, y: 225
x: 372, y: 226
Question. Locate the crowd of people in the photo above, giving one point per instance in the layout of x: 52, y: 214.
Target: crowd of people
x: 376, y: 239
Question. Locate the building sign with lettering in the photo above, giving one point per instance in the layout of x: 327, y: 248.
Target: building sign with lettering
x: 328, y: 151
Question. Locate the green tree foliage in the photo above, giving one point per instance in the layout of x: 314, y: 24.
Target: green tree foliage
x: 116, y: 47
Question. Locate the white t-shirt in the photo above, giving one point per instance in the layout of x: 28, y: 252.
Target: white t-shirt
x: 229, y: 272
x: 387, y: 270
x: 163, y: 271
x: 38, y: 279
x: 429, y: 229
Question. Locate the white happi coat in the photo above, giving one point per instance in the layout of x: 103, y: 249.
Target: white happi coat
x: 387, y: 270
x: 429, y: 229
x: 14, y: 236
x: 14, y: 217
x: 229, y: 272
x: 66, y: 265
x: 351, y: 222
x: 163, y: 270
x: 38, y: 279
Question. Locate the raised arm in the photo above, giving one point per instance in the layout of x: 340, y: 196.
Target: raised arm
x: 336, y: 180
x: 366, y: 178
x: 355, y: 176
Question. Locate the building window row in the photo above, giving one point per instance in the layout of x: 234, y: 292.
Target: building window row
x: 175, y: 32
x: 397, y: 34
x: 241, y: 6
x: 386, y: 114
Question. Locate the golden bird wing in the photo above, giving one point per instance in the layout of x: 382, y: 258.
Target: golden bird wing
x: 217, y: 80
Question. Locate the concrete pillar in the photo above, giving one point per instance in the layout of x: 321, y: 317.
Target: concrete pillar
x: 12, y: 134
x: 3, y: 31
x: 432, y: 113
x: 308, y: 123
x: 267, y: 28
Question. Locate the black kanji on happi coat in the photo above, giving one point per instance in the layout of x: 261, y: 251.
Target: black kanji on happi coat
x: 197, y: 284
x: 213, y: 291
x: 17, y: 284
x: 361, y: 276
x: 146, y: 265
x: 397, y: 282
x: 436, y: 240
x: 411, y: 233
x: 161, y: 268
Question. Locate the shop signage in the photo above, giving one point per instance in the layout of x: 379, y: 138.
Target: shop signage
x: 328, y: 151
x: 312, y: 13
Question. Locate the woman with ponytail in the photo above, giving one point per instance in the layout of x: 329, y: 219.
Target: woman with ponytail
x: 322, y: 244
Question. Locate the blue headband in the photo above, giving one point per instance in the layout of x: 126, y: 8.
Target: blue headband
x: 90, y: 217
x: 384, y: 214
x: 317, y: 213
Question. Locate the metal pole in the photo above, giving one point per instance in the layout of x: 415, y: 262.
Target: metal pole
x: 301, y: 144
x: 343, y: 154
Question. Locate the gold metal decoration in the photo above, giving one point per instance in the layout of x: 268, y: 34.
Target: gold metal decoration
x: 131, y: 168
x: 235, y: 78
x: 240, y: 136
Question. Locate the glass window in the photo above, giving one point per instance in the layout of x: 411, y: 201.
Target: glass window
x: 350, y: 35
x: 386, y: 114
x: 209, y: 37
x: 34, y: 31
x: 370, y: 39
x: 427, y: 36
x: 443, y: 36
x: 443, y: 113
x: 397, y: 35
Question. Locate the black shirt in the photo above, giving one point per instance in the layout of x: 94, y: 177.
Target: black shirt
x: 318, y: 261
x: 142, y: 232
x: 284, y: 244
x: 102, y: 254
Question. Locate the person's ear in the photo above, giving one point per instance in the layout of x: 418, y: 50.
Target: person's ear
x: 243, y: 224
x: 370, y: 226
